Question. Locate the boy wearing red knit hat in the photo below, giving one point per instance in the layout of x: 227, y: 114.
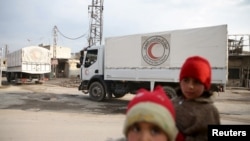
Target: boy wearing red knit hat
x: 194, y: 107
x: 150, y: 116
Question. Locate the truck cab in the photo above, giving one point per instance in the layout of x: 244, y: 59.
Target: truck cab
x: 92, y: 71
x: 92, y: 63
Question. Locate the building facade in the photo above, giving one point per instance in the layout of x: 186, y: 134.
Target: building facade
x: 239, y: 61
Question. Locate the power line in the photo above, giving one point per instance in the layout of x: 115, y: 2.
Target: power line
x: 69, y: 37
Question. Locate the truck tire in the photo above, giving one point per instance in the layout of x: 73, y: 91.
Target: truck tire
x: 171, y: 93
x: 97, y: 91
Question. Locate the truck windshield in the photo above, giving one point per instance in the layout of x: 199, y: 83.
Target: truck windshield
x: 91, y: 58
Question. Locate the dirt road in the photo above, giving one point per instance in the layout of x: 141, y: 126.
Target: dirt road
x: 233, y: 105
x: 51, y: 112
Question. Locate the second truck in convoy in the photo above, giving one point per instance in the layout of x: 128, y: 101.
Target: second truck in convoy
x: 28, y: 65
x: 126, y: 63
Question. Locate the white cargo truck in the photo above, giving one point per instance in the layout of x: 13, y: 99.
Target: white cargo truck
x: 28, y: 65
x: 128, y: 63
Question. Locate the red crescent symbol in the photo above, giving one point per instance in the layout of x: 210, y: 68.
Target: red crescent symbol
x: 86, y: 71
x: 150, y: 51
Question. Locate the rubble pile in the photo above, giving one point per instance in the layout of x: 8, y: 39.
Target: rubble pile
x: 71, y: 82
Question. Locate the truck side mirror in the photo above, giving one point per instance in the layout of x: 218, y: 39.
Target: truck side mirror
x: 78, y: 65
x: 81, y: 59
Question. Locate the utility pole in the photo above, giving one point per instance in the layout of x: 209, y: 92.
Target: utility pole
x: 1, y: 67
x: 96, y: 23
x: 54, y: 61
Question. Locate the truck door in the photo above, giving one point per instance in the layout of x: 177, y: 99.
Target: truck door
x: 90, y: 65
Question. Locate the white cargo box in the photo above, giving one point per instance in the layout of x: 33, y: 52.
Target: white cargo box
x: 159, y: 56
x: 32, y: 59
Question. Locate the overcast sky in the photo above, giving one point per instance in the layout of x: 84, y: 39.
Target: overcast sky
x: 31, y: 22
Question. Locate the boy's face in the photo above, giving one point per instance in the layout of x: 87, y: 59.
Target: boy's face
x: 191, y: 88
x: 144, y: 131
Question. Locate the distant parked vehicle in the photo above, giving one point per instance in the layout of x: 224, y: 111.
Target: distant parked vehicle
x: 28, y: 65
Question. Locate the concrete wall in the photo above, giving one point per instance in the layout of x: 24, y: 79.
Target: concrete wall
x: 72, y: 70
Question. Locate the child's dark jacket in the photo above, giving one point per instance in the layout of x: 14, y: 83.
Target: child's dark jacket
x: 194, y: 116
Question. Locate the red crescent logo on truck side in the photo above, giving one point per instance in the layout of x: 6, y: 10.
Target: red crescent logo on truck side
x: 150, y: 53
x: 86, y: 71
x: 155, y: 50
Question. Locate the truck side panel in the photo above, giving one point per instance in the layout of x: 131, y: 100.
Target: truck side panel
x: 209, y: 42
x: 159, y: 56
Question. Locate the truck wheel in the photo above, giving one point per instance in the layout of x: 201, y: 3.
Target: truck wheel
x: 96, y: 91
x: 171, y: 93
